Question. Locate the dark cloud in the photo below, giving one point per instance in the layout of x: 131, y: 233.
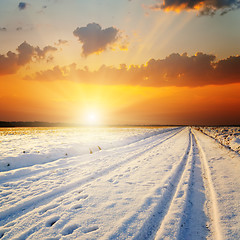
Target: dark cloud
x: 204, y: 7
x: 26, y: 53
x: 3, y: 29
x: 181, y: 69
x: 19, y: 29
x: 175, y: 70
x: 41, y: 53
x: 95, y: 39
x: 22, y: 5
x: 8, y: 63
x: 228, y: 69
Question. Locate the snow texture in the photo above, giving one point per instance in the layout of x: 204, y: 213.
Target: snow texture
x: 227, y: 136
x: 118, y: 183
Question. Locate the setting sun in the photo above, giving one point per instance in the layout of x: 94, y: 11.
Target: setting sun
x: 92, y: 118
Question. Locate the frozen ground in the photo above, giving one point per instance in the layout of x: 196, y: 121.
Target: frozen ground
x: 227, y: 136
x: 138, y: 183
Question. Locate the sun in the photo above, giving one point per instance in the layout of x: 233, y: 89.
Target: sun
x: 92, y: 118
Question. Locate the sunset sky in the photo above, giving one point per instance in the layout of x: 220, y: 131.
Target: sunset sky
x: 121, y: 61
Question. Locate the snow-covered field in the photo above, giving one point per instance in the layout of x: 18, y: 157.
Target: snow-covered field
x: 227, y: 136
x: 117, y: 183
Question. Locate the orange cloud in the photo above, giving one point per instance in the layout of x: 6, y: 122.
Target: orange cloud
x: 175, y: 70
x: 204, y: 7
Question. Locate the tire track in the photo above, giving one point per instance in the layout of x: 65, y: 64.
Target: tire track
x: 172, y: 221
x: 188, y: 201
x: 163, y: 196
x: 192, y: 227
x: 211, y: 194
x: 29, y: 205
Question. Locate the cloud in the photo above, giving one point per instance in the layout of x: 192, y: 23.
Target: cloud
x: 176, y: 69
x: 26, y: 53
x: 203, y: 7
x: 3, y: 29
x: 61, y: 42
x: 8, y: 63
x: 41, y: 53
x: 56, y: 72
x: 228, y: 69
x: 19, y: 29
x: 95, y: 39
x: 22, y: 5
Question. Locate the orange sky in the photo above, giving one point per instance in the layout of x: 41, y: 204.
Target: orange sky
x: 70, y: 102
x: 127, y: 62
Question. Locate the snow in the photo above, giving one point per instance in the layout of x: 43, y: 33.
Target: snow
x: 138, y: 183
x: 24, y: 147
x: 227, y: 136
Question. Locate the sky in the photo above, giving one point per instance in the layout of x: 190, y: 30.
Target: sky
x: 122, y: 62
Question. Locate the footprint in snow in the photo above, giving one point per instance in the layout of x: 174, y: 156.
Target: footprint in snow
x: 69, y: 229
x: 130, y: 183
x: 90, y: 229
x: 33, y: 179
x: 113, y: 181
x: 112, y: 205
x: 47, y: 208
x: 52, y: 221
x: 2, y: 231
x: 79, y: 191
x: 76, y: 206
x: 81, y: 197
x: 87, y: 185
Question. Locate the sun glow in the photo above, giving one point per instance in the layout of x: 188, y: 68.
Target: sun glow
x: 92, y: 118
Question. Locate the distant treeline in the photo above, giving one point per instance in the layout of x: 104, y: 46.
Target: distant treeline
x: 47, y: 124
x: 31, y: 124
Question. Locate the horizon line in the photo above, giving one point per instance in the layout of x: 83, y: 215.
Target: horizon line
x: 10, y: 124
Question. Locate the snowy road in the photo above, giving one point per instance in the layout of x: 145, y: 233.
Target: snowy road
x: 173, y: 184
